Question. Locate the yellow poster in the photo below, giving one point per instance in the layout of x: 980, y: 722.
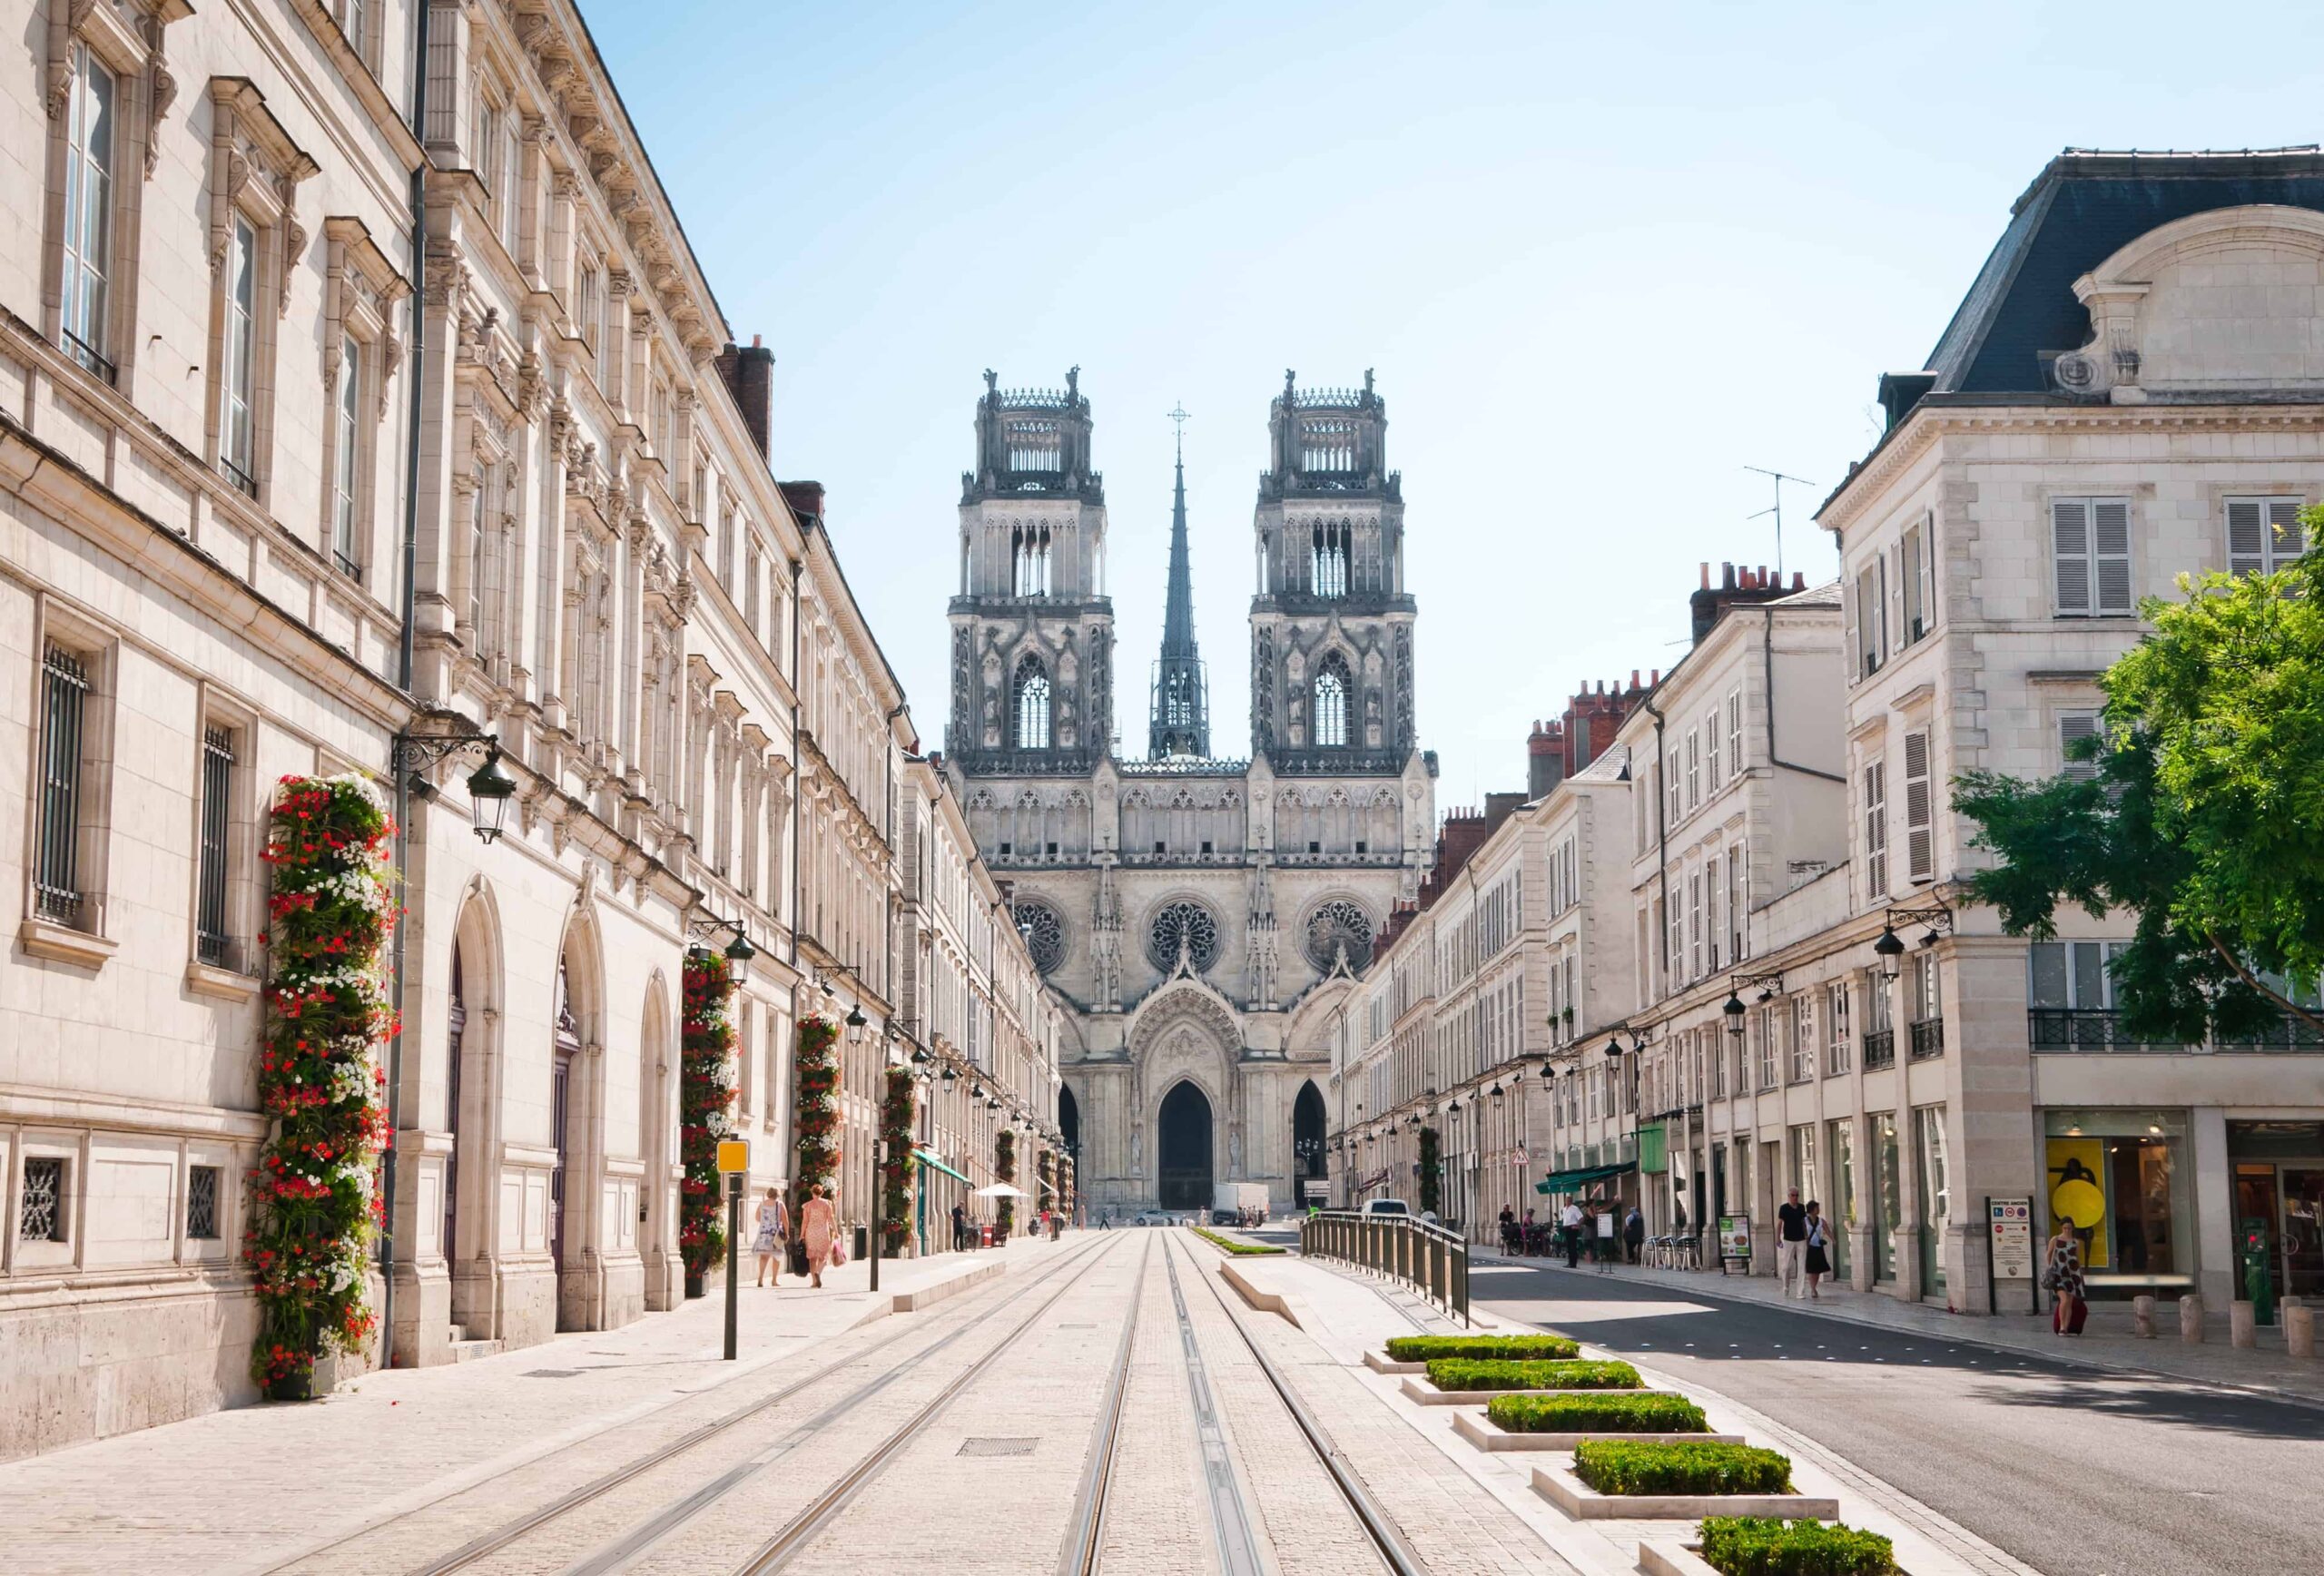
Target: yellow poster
x: 2078, y: 1193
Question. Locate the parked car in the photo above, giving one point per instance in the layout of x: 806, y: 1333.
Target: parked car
x: 1385, y: 1206
x: 1150, y: 1217
x: 1226, y: 1217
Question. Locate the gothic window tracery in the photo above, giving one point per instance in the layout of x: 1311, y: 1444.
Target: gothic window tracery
x: 1331, y: 703
x: 1334, y: 926
x: 1029, y: 555
x: 1044, y: 933
x: 1032, y: 708
x: 1185, y: 923
x: 1327, y: 559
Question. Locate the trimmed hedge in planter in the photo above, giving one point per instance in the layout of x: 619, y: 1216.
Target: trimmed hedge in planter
x: 1228, y: 1245
x: 1763, y: 1546
x: 1507, y: 1348
x: 1613, y: 1466
x: 1465, y: 1373
x: 1642, y: 1412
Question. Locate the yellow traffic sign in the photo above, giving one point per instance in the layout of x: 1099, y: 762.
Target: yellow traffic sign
x: 734, y: 1155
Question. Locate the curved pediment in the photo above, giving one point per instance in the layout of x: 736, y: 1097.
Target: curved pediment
x: 1188, y: 999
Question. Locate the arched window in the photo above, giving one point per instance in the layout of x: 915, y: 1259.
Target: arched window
x: 1331, y: 703
x: 1328, y: 563
x: 1032, y: 706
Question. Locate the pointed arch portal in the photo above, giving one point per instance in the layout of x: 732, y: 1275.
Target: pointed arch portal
x: 1306, y: 1140
x: 1185, y: 1148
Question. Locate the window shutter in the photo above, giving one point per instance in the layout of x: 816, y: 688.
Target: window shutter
x: 2285, y: 536
x: 2247, y: 536
x: 1734, y: 732
x: 1710, y: 747
x: 2111, y: 553
x: 1852, y: 600
x: 1920, y: 833
x: 2070, y: 553
x: 1875, y: 828
x: 1927, y: 569
x: 1887, y: 637
x: 2074, y: 726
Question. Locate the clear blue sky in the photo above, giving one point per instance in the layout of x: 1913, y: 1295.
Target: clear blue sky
x: 1602, y: 258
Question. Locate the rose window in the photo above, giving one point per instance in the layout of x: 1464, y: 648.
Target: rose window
x: 1044, y: 934
x: 1335, y: 927
x: 1182, y: 924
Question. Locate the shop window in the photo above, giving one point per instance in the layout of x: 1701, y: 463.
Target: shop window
x: 2121, y: 1178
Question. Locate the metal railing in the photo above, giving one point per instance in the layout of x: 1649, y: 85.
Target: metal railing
x: 1928, y: 1037
x: 1879, y: 1049
x: 1429, y: 1259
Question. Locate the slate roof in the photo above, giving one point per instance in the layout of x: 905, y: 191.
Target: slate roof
x: 2084, y: 206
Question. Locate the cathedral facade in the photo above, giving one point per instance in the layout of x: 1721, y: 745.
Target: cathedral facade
x: 1198, y: 917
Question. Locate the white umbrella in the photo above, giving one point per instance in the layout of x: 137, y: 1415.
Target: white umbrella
x: 1001, y: 1190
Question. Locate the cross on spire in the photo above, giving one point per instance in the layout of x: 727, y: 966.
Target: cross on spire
x: 1179, y: 416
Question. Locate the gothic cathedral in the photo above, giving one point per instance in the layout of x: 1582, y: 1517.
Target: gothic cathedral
x: 1201, y: 918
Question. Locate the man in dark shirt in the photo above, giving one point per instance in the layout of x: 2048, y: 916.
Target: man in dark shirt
x: 1790, y: 1252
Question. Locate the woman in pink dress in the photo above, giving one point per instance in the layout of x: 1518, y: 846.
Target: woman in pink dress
x: 815, y: 1228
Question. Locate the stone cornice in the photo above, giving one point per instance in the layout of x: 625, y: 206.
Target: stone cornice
x: 1901, y: 449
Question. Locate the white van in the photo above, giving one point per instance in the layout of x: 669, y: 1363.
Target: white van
x: 1385, y: 1206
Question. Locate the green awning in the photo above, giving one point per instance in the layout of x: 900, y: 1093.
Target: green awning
x: 931, y: 1161
x: 1568, y: 1181
x: 1653, y: 1149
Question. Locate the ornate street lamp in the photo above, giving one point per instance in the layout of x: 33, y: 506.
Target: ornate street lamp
x: 1733, y: 1013
x: 490, y: 789
x: 739, y: 951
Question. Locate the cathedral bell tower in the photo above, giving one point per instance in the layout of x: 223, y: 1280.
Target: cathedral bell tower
x: 1331, y: 625
x: 1032, y: 628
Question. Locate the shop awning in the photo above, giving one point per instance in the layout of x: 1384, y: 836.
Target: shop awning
x: 1570, y: 1181
x: 933, y: 1163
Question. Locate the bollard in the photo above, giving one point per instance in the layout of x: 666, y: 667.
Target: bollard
x: 2143, y: 1318
x: 2190, y: 1319
x: 2300, y: 1328
x: 2243, y: 1325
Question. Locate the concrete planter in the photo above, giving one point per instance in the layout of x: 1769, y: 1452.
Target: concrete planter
x: 1428, y: 1394
x: 1486, y: 1434
x: 1380, y: 1364
x: 1669, y: 1559
x: 1557, y: 1485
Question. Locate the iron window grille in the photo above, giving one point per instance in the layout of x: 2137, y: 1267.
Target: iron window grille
x: 212, y: 944
x: 202, y: 1204
x: 39, y: 1213
x: 56, y: 880
x: 1879, y: 1049
x: 1928, y: 1038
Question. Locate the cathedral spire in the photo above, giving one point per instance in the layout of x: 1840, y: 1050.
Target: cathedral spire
x: 1181, y: 724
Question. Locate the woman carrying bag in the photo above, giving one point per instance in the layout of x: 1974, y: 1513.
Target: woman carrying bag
x: 2061, y: 1277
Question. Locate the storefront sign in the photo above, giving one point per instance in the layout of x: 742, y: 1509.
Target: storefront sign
x: 2010, y: 1222
x: 1735, y: 1237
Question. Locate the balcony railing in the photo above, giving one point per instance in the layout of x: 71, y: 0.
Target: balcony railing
x: 2101, y: 1030
x: 1928, y: 1038
x: 1879, y: 1049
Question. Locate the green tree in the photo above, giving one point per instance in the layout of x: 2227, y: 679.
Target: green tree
x: 2205, y: 819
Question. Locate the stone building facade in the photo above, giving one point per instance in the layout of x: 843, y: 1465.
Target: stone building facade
x: 1197, y: 917
x: 299, y: 476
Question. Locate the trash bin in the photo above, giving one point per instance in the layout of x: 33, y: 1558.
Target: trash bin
x: 862, y: 1242
x: 984, y: 1234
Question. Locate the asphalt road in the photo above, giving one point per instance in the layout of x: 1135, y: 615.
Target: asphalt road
x: 2076, y: 1473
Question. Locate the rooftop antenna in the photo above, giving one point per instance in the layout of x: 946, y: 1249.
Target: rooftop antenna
x: 1778, y: 511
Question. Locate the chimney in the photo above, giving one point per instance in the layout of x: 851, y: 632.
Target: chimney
x: 806, y: 498
x: 1544, y: 758
x: 749, y: 376
x: 1744, y: 587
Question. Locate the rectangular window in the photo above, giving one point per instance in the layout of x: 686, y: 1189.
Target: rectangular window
x: 1870, y: 621
x: 1738, y: 905
x: 239, y: 374
x: 1770, y: 1028
x: 1915, y: 567
x: 41, y: 1210
x: 2073, y: 728
x: 512, y: 165
x: 1875, y: 828
x: 1836, y: 1028
x: 1710, y: 749
x: 344, y: 473
x: 2089, y: 544
x: 1695, y: 925
x: 202, y: 1204
x: 56, y: 879
x: 1925, y: 1004
x: 1803, y: 1041
x: 585, y: 294
x: 90, y: 138
x: 213, y: 940
x: 1714, y: 911
x: 2263, y: 534
x: 1920, y: 828
x: 1694, y: 770
x: 1735, y: 763
x: 1672, y: 808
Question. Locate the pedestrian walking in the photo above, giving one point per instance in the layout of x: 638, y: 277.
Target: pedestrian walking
x: 773, y: 1224
x: 1791, y: 1249
x: 1633, y: 1234
x: 818, y: 1228
x: 2062, y: 1275
x: 1820, y: 1263
x: 1607, y: 1249
x: 1569, y: 1228
x: 1508, y: 1229
x: 960, y: 1228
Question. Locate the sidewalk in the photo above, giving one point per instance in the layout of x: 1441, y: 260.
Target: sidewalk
x: 2106, y: 1343
x: 252, y: 1487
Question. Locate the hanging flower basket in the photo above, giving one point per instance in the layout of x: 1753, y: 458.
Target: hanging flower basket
x: 895, y: 1178
x: 1004, y: 1167
x: 317, y: 1211
x: 705, y: 1111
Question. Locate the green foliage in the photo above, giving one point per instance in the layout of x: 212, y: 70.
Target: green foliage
x: 1004, y: 1167
x: 1638, y: 1412
x: 1420, y: 1348
x: 896, y: 1110
x: 1239, y: 1249
x: 1763, y: 1546
x: 1469, y: 1373
x: 2203, y: 819
x: 1432, y: 1172
x: 705, y: 1106
x: 1616, y: 1466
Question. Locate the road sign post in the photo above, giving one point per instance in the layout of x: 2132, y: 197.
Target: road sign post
x: 734, y: 1160
x: 879, y: 1204
x: 2009, y: 1250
